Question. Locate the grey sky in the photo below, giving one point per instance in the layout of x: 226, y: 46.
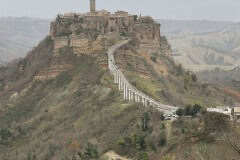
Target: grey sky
x: 223, y: 10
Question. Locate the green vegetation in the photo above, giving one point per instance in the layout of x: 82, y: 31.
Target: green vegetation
x: 154, y: 59
x: 80, y: 114
x: 90, y: 153
x: 203, y: 137
x: 148, y: 135
x: 67, y: 112
x: 178, y: 88
x: 63, y: 79
x: 189, y: 110
x: 5, y: 135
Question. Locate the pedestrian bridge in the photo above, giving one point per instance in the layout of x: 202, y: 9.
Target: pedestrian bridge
x: 131, y: 93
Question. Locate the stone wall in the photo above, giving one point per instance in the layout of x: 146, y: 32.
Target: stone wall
x: 61, y: 42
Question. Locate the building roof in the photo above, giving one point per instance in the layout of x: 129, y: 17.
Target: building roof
x: 236, y: 109
x: 104, y: 11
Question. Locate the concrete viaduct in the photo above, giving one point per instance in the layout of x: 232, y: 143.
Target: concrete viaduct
x: 131, y: 93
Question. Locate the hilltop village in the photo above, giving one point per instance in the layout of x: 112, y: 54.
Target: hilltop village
x: 94, y: 32
x: 73, y: 29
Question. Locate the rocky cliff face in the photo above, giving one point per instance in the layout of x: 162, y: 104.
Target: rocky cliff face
x: 75, y: 36
x: 93, y: 35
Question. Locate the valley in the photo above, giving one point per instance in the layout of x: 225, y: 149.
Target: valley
x: 204, y: 45
x: 19, y: 35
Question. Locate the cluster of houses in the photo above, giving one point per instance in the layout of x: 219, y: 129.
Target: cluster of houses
x: 233, y: 113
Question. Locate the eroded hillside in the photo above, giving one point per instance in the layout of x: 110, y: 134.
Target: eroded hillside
x: 203, y: 45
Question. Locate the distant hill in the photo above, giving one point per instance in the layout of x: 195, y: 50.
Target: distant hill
x: 226, y: 78
x: 19, y: 35
x: 204, y: 45
x: 188, y: 27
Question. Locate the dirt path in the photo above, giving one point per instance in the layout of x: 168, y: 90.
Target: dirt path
x: 168, y: 130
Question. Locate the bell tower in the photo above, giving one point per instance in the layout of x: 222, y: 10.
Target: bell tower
x: 92, y: 6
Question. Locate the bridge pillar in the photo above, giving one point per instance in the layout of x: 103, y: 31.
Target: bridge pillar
x: 125, y: 91
x: 122, y: 86
x: 132, y: 95
x: 119, y: 82
x: 110, y: 72
x: 142, y: 100
x: 138, y: 98
x: 135, y: 99
x: 129, y: 95
x: 115, y: 76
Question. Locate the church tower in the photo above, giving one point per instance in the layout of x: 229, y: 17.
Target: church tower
x: 92, y: 6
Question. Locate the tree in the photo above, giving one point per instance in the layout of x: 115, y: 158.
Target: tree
x: 194, y: 77
x: 154, y: 59
x: 180, y: 112
x: 90, y: 152
x: 138, y: 141
x: 143, y: 156
x: 162, y: 139
x: 188, y: 109
x: 180, y: 70
x: 196, y: 109
x: 145, y: 119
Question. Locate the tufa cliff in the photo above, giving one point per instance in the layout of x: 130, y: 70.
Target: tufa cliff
x: 92, y: 34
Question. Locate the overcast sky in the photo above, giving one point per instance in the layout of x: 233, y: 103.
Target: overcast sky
x: 221, y: 10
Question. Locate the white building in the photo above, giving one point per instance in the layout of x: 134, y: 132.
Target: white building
x: 221, y: 109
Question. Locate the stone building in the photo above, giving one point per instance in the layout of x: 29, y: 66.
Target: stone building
x: 121, y: 13
x: 103, y: 13
x: 236, y: 112
x: 71, y: 26
x: 92, y: 6
x: 221, y: 109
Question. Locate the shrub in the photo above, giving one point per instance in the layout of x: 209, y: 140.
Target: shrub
x: 145, y: 119
x: 143, y: 156
x: 180, y: 112
x: 215, y: 122
x: 202, y: 137
x: 63, y: 79
x: 180, y: 70
x: 194, y: 77
x: 51, y: 151
x: 196, y: 109
x: 189, y: 110
x: 138, y: 141
x: 90, y: 152
x: 121, y: 143
x: 5, y: 134
x: 154, y: 59
x: 162, y: 139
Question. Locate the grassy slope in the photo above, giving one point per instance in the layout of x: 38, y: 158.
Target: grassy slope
x: 55, y: 119
x: 88, y: 108
x: 176, y: 88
